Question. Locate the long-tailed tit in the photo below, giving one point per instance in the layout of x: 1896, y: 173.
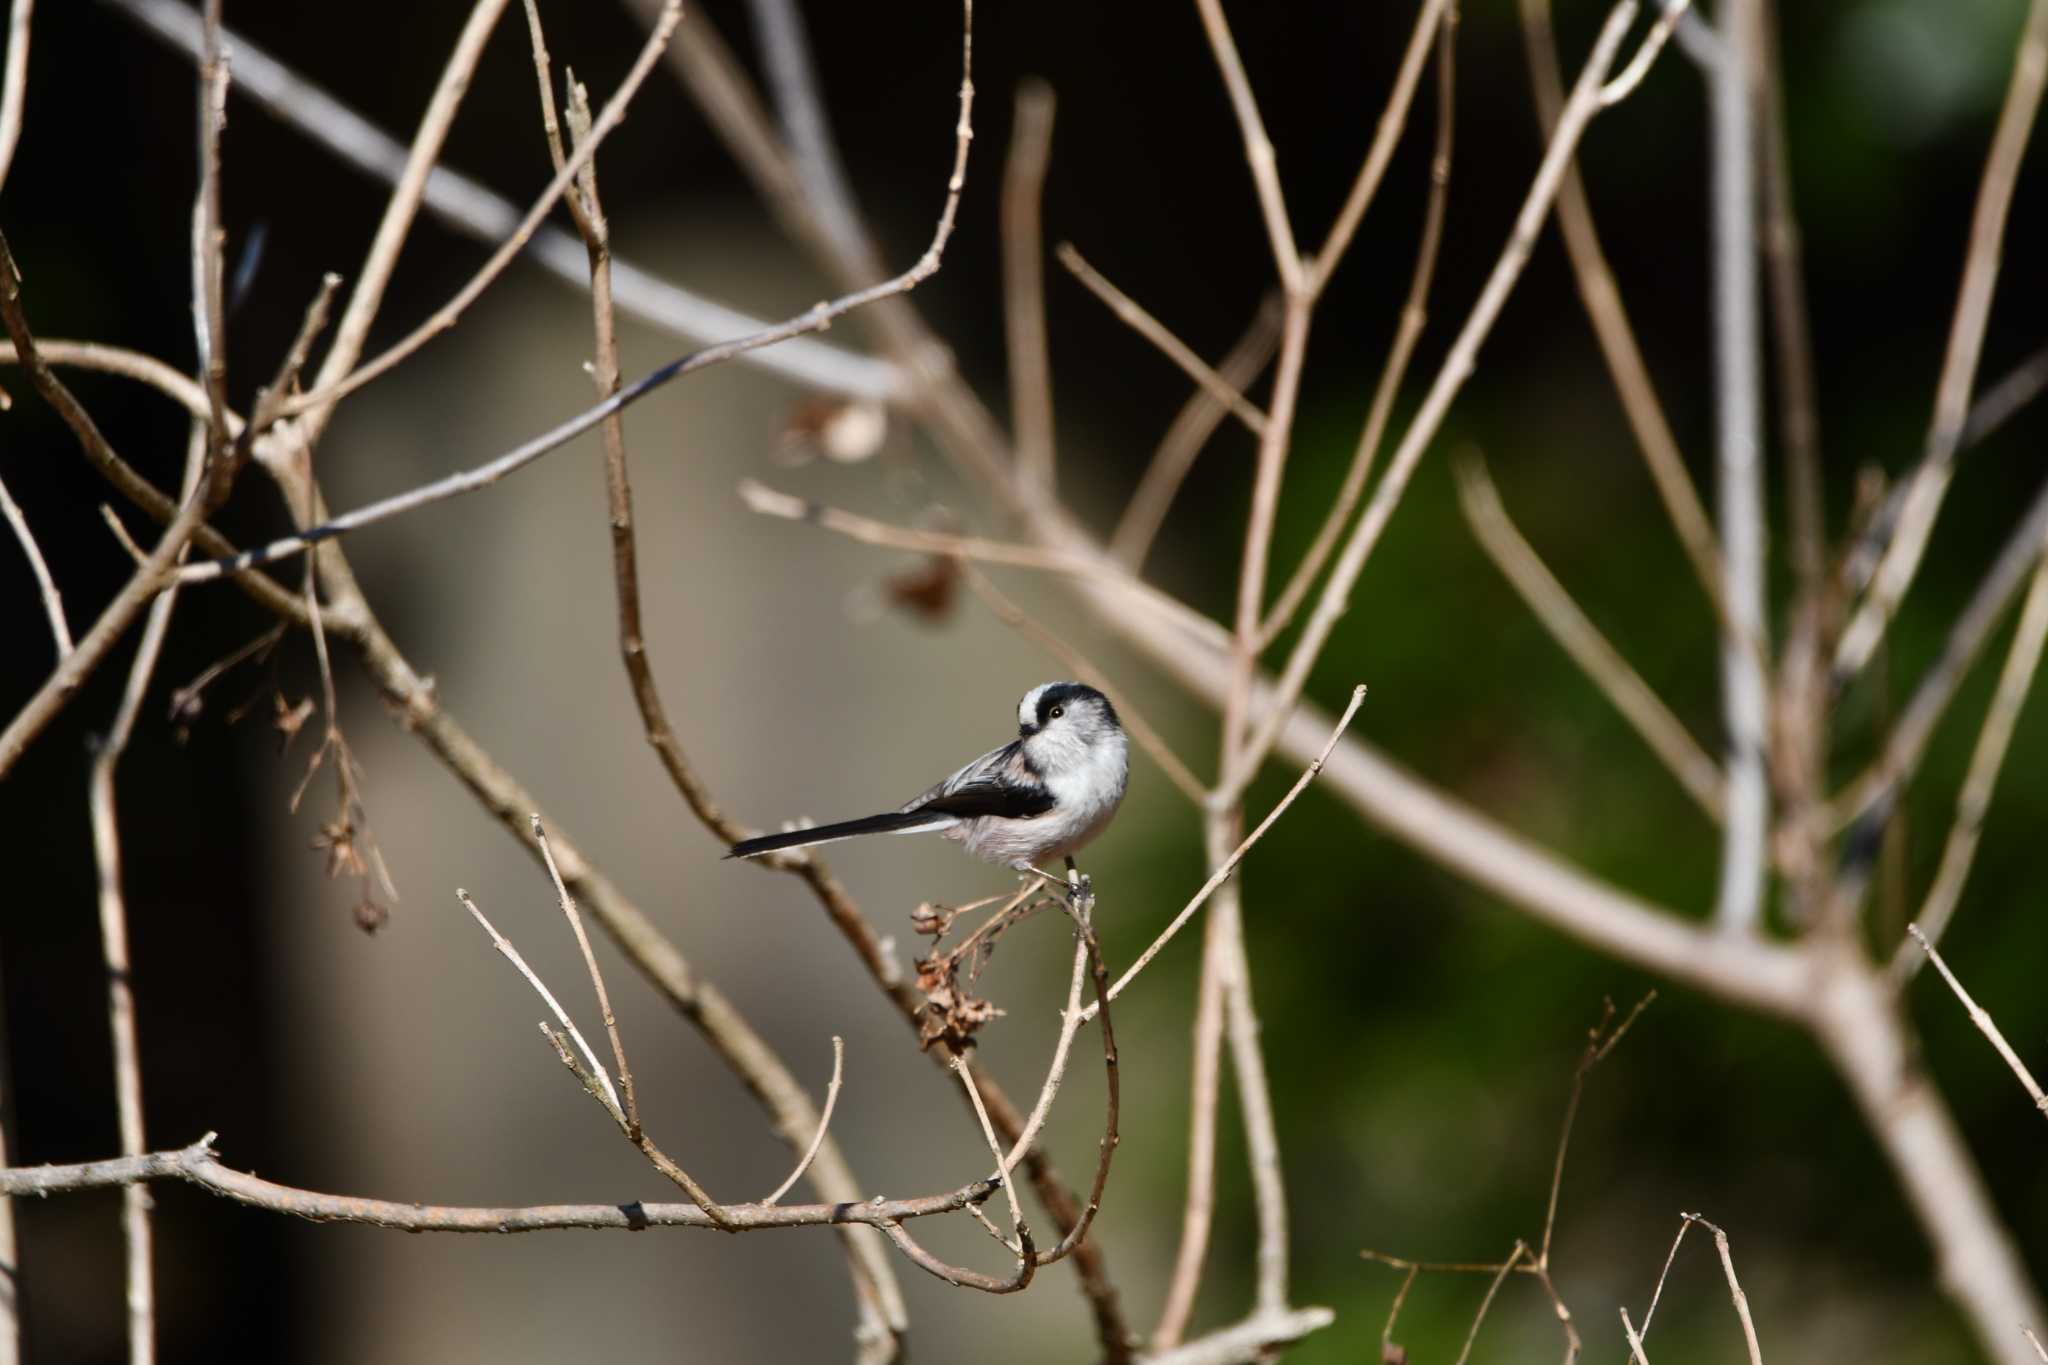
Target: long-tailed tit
x: 1043, y: 795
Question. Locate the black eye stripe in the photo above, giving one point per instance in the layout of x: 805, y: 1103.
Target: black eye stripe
x: 1060, y: 698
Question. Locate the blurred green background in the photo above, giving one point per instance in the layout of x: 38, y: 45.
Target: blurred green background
x: 1421, y: 1036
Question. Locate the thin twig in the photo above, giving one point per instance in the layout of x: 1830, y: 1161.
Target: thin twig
x: 1985, y: 1025
x: 1635, y: 1340
x: 1973, y: 802
x: 824, y: 1122
x: 1002, y: 1176
x: 1930, y: 477
x: 1486, y: 1303
x: 1134, y: 316
x: 53, y: 602
x: 1229, y: 865
x: 1190, y: 430
x: 1735, y: 1294
x: 608, y: 1095
x: 629, y: 1105
x: 2035, y: 1342
x: 1024, y: 282
x: 1204, y: 1095
x: 1602, y: 664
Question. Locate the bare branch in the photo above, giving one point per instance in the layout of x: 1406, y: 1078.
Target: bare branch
x: 53, y: 602
x: 1457, y: 366
x: 824, y: 1122
x: 1133, y: 315
x: 1258, y: 148
x: 1973, y: 802
x: 399, y: 211
x: 72, y: 671
x: 1738, y: 423
x: 113, y: 925
x: 197, y: 1165
x: 1985, y: 1025
x: 1414, y: 314
x: 1601, y: 297
x: 336, y: 382
x: 1579, y: 637
x: 1229, y: 864
x: 1393, y: 118
x: 1256, y: 1338
x: 1907, y: 743
x: 1024, y: 281
x: 600, y: 1078
x: 1929, y: 479
x: 1492, y: 1288
x: 469, y: 208
x: 1002, y: 1176
x: 1190, y: 430
x: 813, y: 319
x: 630, y: 1115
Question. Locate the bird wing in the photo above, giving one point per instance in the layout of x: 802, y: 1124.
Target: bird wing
x: 997, y: 783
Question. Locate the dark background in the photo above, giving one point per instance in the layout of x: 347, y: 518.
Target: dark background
x: 1421, y: 1038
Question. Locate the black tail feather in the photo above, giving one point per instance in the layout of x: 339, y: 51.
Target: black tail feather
x: 895, y: 822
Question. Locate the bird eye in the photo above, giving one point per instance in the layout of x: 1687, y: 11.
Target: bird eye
x: 1056, y: 713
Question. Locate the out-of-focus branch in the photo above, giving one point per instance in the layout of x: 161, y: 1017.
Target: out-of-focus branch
x: 1601, y: 297
x: 400, y: 209
x: 1579, y: 110
x: 1190, y: 430
x: 1175, y: 613
x: 1579, y: 637
x: 1258, y: 148
x: 1967, y: 635
x: 1973, y: 803
x: 1435, y: 16
x: 1929, y: 479
x: 1258, y: 1337
x: 336, y: 382
x: 1133, y: 315
x: 1414, y: 314
x: 1738, y: 424
x: 1024, y: 281
x: 469, y: 208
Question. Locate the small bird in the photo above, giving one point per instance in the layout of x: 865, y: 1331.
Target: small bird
x: 1044, y: 794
